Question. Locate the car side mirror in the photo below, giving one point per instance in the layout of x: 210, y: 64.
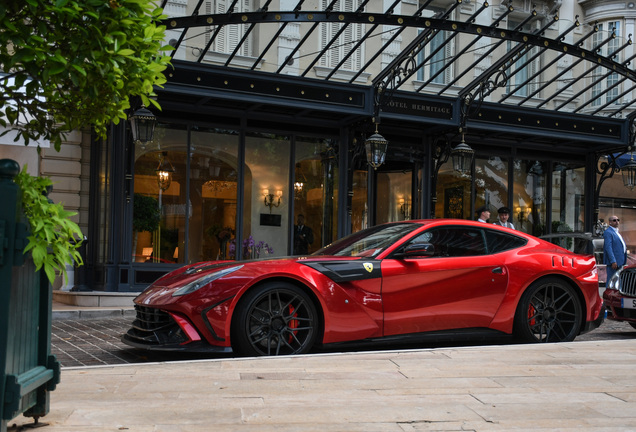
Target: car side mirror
x: 418, y: 250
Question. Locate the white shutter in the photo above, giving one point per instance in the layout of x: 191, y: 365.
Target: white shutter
x: 220, y: 43
x: 449, y: 51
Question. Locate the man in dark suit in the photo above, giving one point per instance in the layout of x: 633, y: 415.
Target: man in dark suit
x: 303, y: 237
x: 614, y: 248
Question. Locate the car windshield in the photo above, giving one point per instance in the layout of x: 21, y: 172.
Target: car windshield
x: 369, y: 242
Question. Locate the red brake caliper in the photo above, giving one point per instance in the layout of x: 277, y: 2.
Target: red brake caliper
x: 293, y: 323
x: 531, y: 312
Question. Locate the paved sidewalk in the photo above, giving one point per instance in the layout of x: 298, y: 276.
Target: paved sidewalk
x: 580, y: 386
x: 65, y: 311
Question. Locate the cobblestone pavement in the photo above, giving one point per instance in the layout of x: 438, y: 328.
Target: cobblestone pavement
x: 96, y: 342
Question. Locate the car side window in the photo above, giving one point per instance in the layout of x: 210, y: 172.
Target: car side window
x: 499, y: 241
x: 454, y: 241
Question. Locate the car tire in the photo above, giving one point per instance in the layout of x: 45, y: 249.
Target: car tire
x: 549, y: 311
x: 277, y: 318
x: 633, y: 324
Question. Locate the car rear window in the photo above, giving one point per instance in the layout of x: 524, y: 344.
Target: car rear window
x: 498, y: 241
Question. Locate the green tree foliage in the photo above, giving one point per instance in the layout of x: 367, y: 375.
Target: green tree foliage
x: 67, y: 64
x: 54, y: 239
x: 146, y: 213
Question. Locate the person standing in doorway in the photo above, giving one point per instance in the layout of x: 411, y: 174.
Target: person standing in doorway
x: 503, y: 214
x: 614, y: 248
x: 303, y: 236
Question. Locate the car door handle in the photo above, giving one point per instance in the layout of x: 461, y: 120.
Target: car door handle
x: 497, y: 270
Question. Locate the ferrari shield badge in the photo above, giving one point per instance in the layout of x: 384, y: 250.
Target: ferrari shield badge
x: 368, y: 267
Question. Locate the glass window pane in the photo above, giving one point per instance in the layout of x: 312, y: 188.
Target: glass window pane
x: 452, y: 194
x: 491, y: 184
x: 315, y: 187
x: 267, y: 197
x: 359, y: 202
x: 160, y: 184
x: 568, y: 199
x: 529, y: 199
x: 213, y: 194
x: 394, y: 198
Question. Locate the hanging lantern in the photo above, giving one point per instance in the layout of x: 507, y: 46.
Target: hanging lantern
x: 164, y: 172
x: 376, y: 146
x: 629, y: 172
x: 142, y: 125
x: 462, y: 156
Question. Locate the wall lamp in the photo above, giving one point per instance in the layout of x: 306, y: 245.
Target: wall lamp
x: 269, y: 199
x: 523, y: 213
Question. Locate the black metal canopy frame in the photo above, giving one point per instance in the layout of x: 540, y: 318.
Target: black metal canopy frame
x: 541, y: 114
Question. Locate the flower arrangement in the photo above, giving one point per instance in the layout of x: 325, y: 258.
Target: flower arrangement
x: 251, y: 248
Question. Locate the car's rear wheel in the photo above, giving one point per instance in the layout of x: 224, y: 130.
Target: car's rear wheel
x: 277, y: 318
x: 549, y: 311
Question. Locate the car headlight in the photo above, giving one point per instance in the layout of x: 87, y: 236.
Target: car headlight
x: 204, y: 280
x: 615, y: 281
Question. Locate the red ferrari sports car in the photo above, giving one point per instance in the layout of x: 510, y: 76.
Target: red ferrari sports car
x: 396, y: 281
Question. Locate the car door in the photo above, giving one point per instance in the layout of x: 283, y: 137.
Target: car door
x: 460, y: 286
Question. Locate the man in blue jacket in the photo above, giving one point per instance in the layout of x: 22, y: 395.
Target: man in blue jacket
x: 614, y: 248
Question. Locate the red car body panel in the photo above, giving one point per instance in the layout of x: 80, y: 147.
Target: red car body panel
x: 412, y: 295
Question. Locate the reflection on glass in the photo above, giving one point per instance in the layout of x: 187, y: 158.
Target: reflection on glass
x: 265, y: 228
x: 529, y: 198
x: 359, y: 202
x: 158, y: 212
x: 568, y: 213
x: 452, y: 195
x: 394, y: 200
x: 213, y: 194
x: 491, y: 184
x: 315, y: 192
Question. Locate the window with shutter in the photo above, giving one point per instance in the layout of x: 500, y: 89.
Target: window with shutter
x: 229, y: 37
x: 345, y: 42
x: 524, y: 67
x: 439, y: 52
x: 612, y: 47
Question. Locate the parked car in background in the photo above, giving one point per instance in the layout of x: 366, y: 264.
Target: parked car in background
x: 619, y: 296
x: 402, y: 281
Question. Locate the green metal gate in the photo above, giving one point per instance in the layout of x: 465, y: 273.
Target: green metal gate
x: 29, y: 371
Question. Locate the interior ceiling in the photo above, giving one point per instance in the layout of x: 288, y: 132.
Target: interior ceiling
x: 583, y: 67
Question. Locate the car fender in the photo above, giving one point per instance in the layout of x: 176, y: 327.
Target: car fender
x: 504, y: 318
x: 340, y: 307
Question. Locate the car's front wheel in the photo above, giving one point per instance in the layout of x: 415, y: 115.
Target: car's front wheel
x: 549, y: 311
x: 277, y: 318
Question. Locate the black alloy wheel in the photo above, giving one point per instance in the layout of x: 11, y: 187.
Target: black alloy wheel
x: 549, y: 311
x: 277, y: 318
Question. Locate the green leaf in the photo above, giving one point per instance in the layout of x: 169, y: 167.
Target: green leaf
x: 54, y: 237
